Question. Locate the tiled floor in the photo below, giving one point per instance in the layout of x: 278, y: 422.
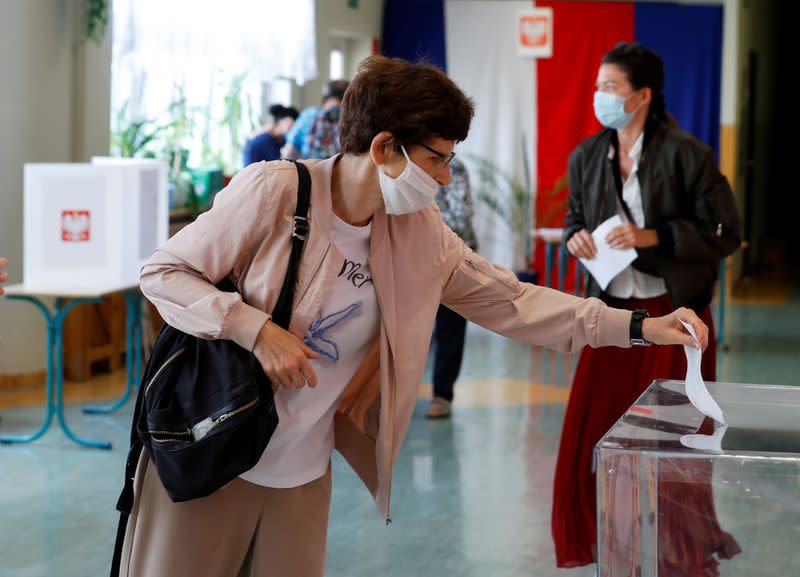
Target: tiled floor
x: 471, y: 495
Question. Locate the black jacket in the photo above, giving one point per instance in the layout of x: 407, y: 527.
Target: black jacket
x: 685, y: 199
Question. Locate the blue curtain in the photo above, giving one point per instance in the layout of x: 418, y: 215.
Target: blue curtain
x: 689, y: 40
x: 414, y: 30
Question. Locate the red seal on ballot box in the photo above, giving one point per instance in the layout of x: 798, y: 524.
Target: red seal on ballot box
x: 75, y: 225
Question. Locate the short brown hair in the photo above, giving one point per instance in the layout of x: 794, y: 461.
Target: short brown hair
x: 415, y: 102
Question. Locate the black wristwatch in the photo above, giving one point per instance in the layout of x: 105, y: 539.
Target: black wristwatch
x: 637, y: 318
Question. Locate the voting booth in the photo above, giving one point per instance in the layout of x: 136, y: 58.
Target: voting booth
x: 95, y: 224
x: 679, y: 493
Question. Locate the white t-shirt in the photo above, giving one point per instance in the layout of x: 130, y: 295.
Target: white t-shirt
x: 631, y: 282
x: 300, y: 448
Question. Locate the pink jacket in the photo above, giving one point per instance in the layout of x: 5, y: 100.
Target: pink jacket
x: 416, y: 263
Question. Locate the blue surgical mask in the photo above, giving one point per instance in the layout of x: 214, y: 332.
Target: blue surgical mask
x: 610, y: 110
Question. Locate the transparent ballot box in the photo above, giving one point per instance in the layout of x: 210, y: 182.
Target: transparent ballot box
x: 679, y: 494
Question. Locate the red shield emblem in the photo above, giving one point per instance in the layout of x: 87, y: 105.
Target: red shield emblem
x: 75, y: 225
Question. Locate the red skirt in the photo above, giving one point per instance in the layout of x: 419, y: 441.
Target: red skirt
x: 607, y: 382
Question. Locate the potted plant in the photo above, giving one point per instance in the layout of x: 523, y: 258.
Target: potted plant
x: 95, y: 19
x: 237, y: 122
x: 512, y: 201
x: 133, y: 137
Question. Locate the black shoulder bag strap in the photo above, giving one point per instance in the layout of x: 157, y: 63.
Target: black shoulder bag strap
x: 281, y: 316
x: 283, y: 308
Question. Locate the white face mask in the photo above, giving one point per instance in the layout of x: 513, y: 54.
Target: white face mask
x: 411, y: 191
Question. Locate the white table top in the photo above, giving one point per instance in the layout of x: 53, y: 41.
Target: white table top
x: 65, y: 291
x: 550, y: 235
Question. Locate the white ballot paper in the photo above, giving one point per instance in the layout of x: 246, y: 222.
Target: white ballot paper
x: 608, y: 262
x: 706, y: 442
x: 695, y: 387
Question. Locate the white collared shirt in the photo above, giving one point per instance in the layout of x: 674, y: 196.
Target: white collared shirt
x: 631, y: 282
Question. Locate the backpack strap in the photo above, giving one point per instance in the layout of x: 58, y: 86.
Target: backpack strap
x: 281, y: 316
x: 283, y: 308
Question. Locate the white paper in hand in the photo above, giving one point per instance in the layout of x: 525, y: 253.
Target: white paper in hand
x: 608, y: 262
x: 695, y: 386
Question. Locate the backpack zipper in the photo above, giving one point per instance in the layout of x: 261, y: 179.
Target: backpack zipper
x: 223, y: 417
x: 166, y: 363
x: 188, y: 432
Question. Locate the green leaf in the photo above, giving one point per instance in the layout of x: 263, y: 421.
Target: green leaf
x: 508, y: 198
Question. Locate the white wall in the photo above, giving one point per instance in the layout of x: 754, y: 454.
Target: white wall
x: 359, y: 25
x: 503, y: 86
x: 53, y: 108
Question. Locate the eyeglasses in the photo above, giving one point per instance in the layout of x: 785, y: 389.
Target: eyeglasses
x: 444, y: 159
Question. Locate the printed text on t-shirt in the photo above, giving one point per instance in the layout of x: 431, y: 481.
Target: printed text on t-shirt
x: 350, y: 271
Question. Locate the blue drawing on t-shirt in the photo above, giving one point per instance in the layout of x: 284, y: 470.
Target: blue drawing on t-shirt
x: 315, y: 339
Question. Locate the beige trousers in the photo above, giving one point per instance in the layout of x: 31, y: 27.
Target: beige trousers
x: 242, y: 530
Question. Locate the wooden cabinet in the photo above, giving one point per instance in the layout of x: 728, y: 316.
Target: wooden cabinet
x: 94, y: 338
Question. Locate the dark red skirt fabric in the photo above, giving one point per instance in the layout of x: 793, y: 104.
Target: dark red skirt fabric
x: 607, y: 382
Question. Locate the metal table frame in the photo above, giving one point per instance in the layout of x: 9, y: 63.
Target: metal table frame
x: 65, y: 301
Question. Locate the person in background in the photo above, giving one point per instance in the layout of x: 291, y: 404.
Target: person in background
x: 298, y: 140
x: 455, y: 204
x: 679, y: 214
x: 3, y: 275
x: 266, y: 145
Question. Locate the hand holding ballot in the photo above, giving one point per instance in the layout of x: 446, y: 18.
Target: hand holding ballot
x: 628, y: 235
x: 610, y: 248
x: 680, y: 327
x: 603, y: 261
x: 581, y: 245
x: 621, y: 235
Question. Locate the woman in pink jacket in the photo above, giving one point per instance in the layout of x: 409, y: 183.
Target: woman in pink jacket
x: 377, y: 263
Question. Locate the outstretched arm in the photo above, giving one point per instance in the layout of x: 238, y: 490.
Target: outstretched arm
x: 491, y: 296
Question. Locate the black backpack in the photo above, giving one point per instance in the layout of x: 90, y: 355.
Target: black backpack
x: 205, y: 409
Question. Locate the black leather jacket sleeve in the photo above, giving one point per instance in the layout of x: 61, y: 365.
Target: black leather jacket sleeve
x: 575, y: 219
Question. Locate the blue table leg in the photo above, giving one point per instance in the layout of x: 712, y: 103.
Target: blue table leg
x: 133, y: 354
x: 55, y: 376
x: 584, y: 280
x: 562, y: 267
x: 50, y: 343
x: 549, y: 253
x: 60, y: 316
